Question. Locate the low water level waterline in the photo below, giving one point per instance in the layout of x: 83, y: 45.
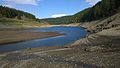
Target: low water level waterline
x: 71, y: 35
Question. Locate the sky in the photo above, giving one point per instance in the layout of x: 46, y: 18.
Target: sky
x: 49, y: 8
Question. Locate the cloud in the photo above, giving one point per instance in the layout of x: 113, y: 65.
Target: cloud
x: 92, y: 2
x: 58, y: 15
x: 31, y: 2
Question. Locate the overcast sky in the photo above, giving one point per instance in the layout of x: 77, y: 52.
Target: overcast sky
x: 49, y: 8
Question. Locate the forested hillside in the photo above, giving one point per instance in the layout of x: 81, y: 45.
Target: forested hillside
x: 13, y: 13
x: 102, y: 9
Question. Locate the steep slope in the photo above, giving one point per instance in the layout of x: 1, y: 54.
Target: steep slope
x: 102, y: 24
x: 102, y: 9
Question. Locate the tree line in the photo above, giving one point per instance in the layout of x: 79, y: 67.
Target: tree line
x: 13, y: 13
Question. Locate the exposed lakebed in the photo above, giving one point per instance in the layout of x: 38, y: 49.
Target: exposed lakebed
x: 71, y: 35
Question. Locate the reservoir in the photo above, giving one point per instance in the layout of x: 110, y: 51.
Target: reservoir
x: 71, y: 35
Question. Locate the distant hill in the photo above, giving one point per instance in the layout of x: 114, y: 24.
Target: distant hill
x: 101, y: 10
x: 13, y: 13
x: 61, y: 20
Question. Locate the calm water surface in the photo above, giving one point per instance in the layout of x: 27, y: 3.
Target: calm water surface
x: 72, y: 34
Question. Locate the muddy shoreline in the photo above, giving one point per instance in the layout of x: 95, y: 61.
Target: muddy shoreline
x: 14, y: 35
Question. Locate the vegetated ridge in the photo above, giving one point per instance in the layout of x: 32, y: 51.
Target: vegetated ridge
x: 13, y: 13
x: 101, y: 10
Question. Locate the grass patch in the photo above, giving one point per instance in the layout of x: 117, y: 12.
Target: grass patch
x: 16, y: 22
